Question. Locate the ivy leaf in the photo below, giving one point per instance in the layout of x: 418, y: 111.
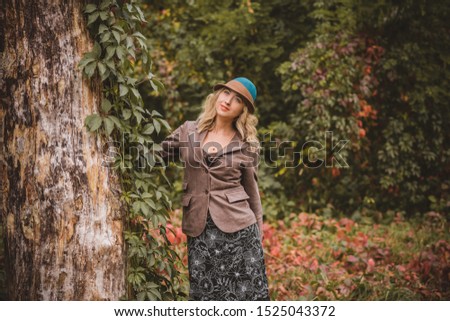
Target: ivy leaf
x: 90, y: 8
x: 92, y: 18
x: 137, y: 34
x: 157, y: 85
x: 90, y: 69
x: 142, y: 43
x: 105, y: 37
x: 157, y: 126
x: 105, y: 4
x: 129, y: 42
x: 155, y: 292
x: 141, y: 14
x: 116, y: 121
x: 136, y: 206
x: 101, y: 68
x: 145, y: 209
x: 155, y: 113
x: 138, y: 116
x: 151, y: 203
x: 106, y: 105
x: 110, y: 51
x: 93, y: 122
x: 120, y: 51
x: 102, y: 28
x: 165, y: 123
x: 116, y: 36
x: 126, y: 113
x: 97, y: 51
x: 123, y: 90
x: 148, y: 129
x: 103, y: 15
x: 84, y: 61
x: 109, y: 125
x: 136, y: 93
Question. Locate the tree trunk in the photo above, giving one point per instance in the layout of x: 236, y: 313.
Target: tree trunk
x: 60, y: 209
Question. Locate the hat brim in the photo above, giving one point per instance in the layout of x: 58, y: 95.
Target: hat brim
x: 248, y: 102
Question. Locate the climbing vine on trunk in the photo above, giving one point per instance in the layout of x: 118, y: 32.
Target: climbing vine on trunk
x: 119, y: 53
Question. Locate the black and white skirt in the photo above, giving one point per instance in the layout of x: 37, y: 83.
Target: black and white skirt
x: 227, y: 266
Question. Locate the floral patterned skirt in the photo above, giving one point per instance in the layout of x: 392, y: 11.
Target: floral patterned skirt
x: 227, y: 266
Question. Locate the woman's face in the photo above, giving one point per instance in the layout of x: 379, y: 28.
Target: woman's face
x: 229, y: 104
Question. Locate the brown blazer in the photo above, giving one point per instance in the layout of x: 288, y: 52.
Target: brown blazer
x: 227, y: 188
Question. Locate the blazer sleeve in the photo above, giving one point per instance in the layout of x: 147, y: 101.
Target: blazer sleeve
x: 171, y: 145
x: 250, y: 183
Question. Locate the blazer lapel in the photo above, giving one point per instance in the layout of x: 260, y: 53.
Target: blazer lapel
x: 235, y: 144
x: 196, y: 140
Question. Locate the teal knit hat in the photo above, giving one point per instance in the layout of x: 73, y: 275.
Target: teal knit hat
x: 244, y: 87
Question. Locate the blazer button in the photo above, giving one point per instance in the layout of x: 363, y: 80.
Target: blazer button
x: 206, y: 191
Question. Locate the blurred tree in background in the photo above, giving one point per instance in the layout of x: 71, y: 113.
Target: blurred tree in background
x: 374, y: 74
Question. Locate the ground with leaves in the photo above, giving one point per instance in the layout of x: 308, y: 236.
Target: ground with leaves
x: 309, y: 257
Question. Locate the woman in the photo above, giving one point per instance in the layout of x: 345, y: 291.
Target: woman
x: 222, y: 213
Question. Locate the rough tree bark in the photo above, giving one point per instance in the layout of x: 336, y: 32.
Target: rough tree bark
x: 61, y: 214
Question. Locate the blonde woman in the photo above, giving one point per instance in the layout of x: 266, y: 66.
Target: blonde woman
x: 222, y: 213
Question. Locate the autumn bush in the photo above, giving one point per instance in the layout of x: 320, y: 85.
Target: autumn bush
x: 309, y: 257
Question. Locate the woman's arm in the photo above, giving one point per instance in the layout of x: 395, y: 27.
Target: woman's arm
x: 171, y: 146
x: 250, y: 183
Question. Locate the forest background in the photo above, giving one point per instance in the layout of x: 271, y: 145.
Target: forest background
x: 374, y: 73
x: 364, y: 220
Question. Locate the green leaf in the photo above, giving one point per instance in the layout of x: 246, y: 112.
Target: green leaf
x: 102, y: 28
x: 104, y: 4
x: 120, y: 51
x: 119, y: 28
x: 105, y: 37
x: 84, y: 61
x: 142, y: 43
x: 141, y: 14
x: 93, y: 122
x: 97, y: 51
x: 137, y: 34
x: 110, y: 51
x: 155, y: 113
x: 116, y: 121
x: 136, y: 206
x: 101, y: 68
x: 129, y: 42
x: 165, y: 123
x: 93, y: 17
x: 155, y: 292
x: 126, y: 113
x: 123, y: 90
x: 106, y: 105
x: 90, y: 69
x: 157, y: 85
x: 109, y: 125
x: 90, y: 8
x: 136, y: 93
x: 157, y: 125
x: 116, y: 36
x: 148, y: 129
x: 103, y: 15
x: 138, y: 116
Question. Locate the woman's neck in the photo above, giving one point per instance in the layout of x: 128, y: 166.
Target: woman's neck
x: 223, y: 126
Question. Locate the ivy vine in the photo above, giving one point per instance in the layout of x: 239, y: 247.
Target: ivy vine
x: 119, y: 53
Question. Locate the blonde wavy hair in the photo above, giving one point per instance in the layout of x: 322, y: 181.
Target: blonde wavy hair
x: 245, y: 123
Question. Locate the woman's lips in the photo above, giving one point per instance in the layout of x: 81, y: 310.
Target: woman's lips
x: 224, y: 108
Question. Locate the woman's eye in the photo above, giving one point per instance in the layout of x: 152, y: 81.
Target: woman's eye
x: 239, y: 100
x: 226, y: 92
